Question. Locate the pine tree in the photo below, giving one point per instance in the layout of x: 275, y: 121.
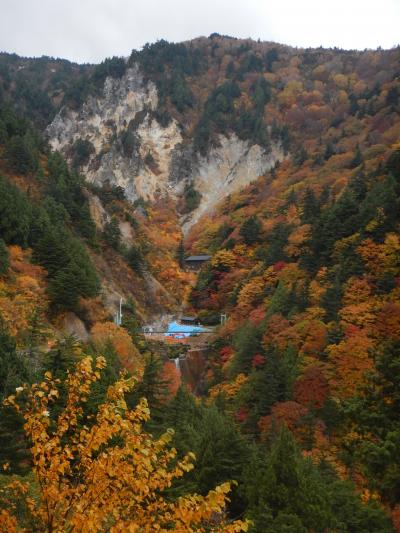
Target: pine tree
x: 286, y: 492
x: 250, y: 230
x: 20, y: 156
x: 4, y: 257
x: 14, y: 447
x: 152, y: 386
x: 277, y: 241
x: 280, y: 496
x: 221, y: 453
x: 311, y: 207
x: 358, y: 185
x: 247, y: 343
x: 329, y: 151
x: 108, y: 377
x: 35, y: 335
x: 13, y: 371
x: 180, y: 254
x: 71, y: 283
x: 130, y: 321
x: 357, y: 159
x: 62, y: 357
x: 279, y: 302
x: 15, y: 214
x: 331, y: 300
x: 376, y: 417
x: 59, y: 361
x: 112, y: 233
x: 135, y: 259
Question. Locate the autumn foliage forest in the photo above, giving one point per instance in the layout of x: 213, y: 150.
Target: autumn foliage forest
x: 298, y: 425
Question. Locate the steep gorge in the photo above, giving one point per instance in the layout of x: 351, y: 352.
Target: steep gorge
x: 284, y: 165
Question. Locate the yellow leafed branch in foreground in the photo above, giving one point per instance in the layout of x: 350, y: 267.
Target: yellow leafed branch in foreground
x: 107, y: 477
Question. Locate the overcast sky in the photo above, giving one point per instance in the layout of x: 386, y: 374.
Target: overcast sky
x: 90, y: 30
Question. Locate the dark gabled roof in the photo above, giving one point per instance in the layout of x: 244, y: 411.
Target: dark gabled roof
x: 198, y: 258
x: 189, y: 318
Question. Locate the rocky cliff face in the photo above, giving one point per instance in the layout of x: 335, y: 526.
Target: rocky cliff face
x: 127, y: 146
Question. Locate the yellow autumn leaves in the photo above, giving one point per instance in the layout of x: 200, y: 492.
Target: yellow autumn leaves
x: 106, y: 473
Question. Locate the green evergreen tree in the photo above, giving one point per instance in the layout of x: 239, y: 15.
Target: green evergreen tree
x: 108, y: 376
x: 66, y: 188
x: 279, y: 302
x: 75, y: 280
x: 15, y: 214
x: 271, y: 383
x: 311, y: 207
x: 135, y: 259
x: 247, y: 343
x: 277, y: 240
x: 180, y: 254
x: 4, y: 257
x: 251, y: 230
x: 14, y: 447
x: 192, y: 198
x: 152, y: 386
x: 393, y: 95
x: 358, y: 186
x: 288, y: 493
x: 357, y: 159
x: 376, y: 417
x: 112, y: 233
x: 20, y: 156
x: 131, y: 322
x: 329, y: 151
x: 62, y: 357
x: 381, y: 204
x: 300, y: 156
x: 331, y: 300
x: 221, y: 452
x: 51, y: 247
x: 34, y: 337
x: 82, y: 151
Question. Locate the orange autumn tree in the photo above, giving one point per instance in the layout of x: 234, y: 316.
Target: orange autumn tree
x: 108, y: 332
x: 107, y: 475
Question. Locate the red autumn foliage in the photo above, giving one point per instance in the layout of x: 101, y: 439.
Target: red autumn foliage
x: 242, y: 415
x: 312, y: 388
x: 395, y: 514
x: 172, y: 375
x: 387, y: 322
x: 280, y: 265
x: 226, y: 353
x: 257, y: 316
x: 258, y: 360
x: 284, y: 413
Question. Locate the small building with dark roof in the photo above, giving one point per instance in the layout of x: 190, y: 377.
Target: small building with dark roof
x: 195, y: 262
x: 189, y: 320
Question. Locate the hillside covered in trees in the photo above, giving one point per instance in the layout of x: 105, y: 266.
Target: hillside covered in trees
x: 300, y: 396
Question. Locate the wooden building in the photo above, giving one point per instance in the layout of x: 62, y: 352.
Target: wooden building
x: 195, y: 262
x: 189, y: 321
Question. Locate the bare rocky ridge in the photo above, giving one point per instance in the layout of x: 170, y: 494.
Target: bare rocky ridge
x: 133, y: 150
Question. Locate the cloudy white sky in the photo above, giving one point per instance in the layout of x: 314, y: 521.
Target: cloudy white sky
x: 90, y: 30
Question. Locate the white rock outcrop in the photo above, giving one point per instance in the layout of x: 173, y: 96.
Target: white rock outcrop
x: 157, y: 162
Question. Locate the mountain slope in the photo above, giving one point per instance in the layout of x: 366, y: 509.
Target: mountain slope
x: 284, y: 165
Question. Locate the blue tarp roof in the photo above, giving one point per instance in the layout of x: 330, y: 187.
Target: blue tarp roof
x: 181, y: 330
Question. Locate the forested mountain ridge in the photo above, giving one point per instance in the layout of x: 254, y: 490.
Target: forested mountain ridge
x: 306, y: 267
x: 200, y: 120
x: 284, y: 165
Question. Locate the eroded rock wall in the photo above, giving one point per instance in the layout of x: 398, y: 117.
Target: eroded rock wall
x: 131, y: 149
